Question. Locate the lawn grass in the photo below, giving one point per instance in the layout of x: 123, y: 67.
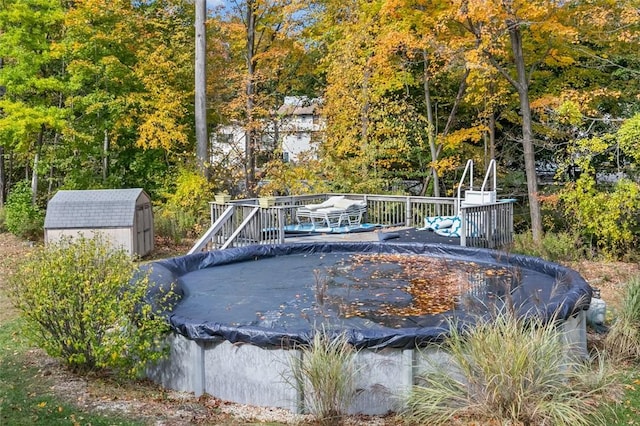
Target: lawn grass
x: 627, y: 412
x: 25, y: 395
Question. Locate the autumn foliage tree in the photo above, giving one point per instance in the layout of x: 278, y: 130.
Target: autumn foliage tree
x: 401, y: 68
x: 97, y: 93
x: 132, y: 74
x: 256, y: 60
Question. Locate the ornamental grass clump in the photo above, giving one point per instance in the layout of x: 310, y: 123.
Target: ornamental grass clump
x: 623, y: 339
x: 83, y: 305
x: 506, y: 372
x: 325, y: 373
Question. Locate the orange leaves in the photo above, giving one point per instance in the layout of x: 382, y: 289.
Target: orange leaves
x: 434, y: 284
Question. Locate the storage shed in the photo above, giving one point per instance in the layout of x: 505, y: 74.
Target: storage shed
x: 123, y: 216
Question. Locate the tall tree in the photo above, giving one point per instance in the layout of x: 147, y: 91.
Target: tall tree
x: 33, y: 77
x: 257, y: 60
x: 516, y: 38
x: 131, y: 66
x: 100, y: 50
x: 430, y: 57
x: 386, y: 60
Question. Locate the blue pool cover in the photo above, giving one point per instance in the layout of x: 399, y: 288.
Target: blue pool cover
x: 279, y: 295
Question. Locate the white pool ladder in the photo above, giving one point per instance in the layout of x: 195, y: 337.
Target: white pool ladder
x: 477, y: 197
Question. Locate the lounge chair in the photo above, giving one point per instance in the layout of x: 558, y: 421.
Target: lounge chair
x: 334, y: 212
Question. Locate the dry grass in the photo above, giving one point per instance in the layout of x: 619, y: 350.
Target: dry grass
x: 609, y: 277
x: 512, y: 372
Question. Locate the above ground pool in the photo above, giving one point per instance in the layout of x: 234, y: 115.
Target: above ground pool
x: 242, y: 316
x: 380, y: 294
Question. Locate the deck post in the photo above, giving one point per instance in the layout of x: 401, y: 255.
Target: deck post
x: 463, y: 227
x: 408, y: 214
x: 281, y: 225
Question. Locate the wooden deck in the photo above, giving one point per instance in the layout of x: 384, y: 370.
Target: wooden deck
x: 266, y: 221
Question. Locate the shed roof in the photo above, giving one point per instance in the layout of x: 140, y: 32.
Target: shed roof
x: 97, y: 208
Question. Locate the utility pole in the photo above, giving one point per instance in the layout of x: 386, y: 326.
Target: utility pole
x: 202, y: 136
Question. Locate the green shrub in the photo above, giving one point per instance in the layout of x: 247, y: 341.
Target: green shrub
x: 605, y: 218
x: 82, y: 304
x: 176, y: 224
x: 623, y: 339
x: 326, y: 373
x: 506, y: 373
x: 556, y: 247
x: 22, y: 217
x: 186, y: 210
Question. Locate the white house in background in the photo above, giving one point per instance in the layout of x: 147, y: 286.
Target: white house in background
x: 227, y: 144
x: 299, y: 126
x: 295, y: 128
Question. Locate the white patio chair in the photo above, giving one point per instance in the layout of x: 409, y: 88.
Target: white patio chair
x: 332, y: 213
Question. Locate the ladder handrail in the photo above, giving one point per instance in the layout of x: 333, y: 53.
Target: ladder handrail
x: 240, y: 228
x: 217, y: 225
x: 491, y: 169
x: 467, y: 167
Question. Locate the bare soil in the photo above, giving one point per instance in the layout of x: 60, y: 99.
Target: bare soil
x: 158, y: 406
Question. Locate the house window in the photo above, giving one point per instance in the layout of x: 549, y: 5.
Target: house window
x: 225, y: 138
x: 285, y: 157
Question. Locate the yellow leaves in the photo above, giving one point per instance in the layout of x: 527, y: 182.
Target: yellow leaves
x: 628, y: 137
x: 545, y: 102
x: 159, y: 129
x: 392, y: 8
x: 555, y: 58
x: 454, y: 139
x: 187, y: 200
x: 446, y: 164
x: 569, y: 113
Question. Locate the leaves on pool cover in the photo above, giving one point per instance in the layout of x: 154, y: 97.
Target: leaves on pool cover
x: 434, y: 284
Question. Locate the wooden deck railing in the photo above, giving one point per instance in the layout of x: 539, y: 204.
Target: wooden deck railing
x: 262, y: 221
x: 487, y: 226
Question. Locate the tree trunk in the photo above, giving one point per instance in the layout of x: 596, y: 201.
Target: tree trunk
x: 364, y: 124
x: 202, y: 138
x: 250, y: 89
x: 434, y: 147
x: 431, y: 130
x: 522, y: 87
x: 105, y: 157
x: 34, y: 179
x: 492, y: 136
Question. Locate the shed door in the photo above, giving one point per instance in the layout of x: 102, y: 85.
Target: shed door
x: 144, y: 234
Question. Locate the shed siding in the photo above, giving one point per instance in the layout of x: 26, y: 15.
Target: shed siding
x: 117, y: 237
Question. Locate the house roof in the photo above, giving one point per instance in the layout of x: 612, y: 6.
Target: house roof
x: 297, y: 110
x: 298, y: 105
x: 99, y: 208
